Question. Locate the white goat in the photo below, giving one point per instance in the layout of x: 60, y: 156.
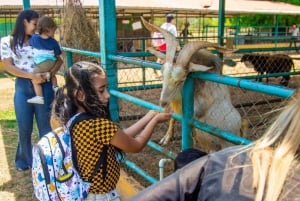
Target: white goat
x: 212, y: 102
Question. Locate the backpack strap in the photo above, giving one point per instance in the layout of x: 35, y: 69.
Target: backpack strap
x: 61, y: 149
x: 102, y: 160
x: 43, y: 162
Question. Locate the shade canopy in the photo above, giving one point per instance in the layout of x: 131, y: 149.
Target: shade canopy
x: 180, y: 7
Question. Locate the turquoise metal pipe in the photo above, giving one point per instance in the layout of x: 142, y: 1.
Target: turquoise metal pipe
x: 221, y: 22
x: 231, y: 137
x: 26, y: 4
x: 135, y: 54
x: 108, y: 44
x: 82, y: 52
x: 149, y: 106
x: 140, y: 172
x: 69, y: 58
x: 245, y: 84
x: 135, y: 100
x: 160, y: 149
x: 141, y: 102
x: 142, y: 63
x: 188, y: 122
x: 267, y: 49
x: 269, y: 75
x: 188, y: 113
x: 140, y: 87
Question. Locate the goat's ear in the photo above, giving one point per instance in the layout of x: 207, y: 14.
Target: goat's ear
x: 196, y: 67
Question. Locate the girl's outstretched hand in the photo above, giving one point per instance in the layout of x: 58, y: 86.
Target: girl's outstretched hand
x: 163, y: 116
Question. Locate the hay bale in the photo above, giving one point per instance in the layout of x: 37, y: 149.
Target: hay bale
x: 77, y: 30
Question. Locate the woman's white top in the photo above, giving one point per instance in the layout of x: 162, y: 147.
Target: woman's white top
x: 22, y: 59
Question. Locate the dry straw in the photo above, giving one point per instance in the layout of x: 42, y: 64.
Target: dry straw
x: 77, y: 30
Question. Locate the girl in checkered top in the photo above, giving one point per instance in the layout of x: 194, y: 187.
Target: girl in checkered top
x: 86, y: 94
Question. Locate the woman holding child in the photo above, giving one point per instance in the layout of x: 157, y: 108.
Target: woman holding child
x: 17, y: 56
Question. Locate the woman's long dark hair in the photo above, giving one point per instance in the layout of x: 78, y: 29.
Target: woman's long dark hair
x: 19, y: 33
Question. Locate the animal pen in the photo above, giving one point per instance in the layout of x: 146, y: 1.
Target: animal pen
x: 132, y: 85
x: 135, y: 89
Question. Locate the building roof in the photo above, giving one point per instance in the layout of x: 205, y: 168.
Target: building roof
x: 232, y: 7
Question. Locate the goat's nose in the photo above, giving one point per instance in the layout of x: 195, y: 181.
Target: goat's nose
x: 163, y: 103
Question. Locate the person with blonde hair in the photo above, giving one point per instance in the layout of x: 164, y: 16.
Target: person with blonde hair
x: 266, y: 170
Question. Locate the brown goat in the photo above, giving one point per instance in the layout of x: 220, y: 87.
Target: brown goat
x: 212, y: 102
x: 270, y: 63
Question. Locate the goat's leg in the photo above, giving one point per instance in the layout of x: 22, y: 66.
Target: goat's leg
x: 260, y: 79
x: 170, y: 133
x: 175, y: 104
x: 285, y: 80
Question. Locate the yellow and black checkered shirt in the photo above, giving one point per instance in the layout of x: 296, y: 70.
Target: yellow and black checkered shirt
x: 89, y: 136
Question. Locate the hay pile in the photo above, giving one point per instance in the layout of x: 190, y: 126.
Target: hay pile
x: 77, y: 30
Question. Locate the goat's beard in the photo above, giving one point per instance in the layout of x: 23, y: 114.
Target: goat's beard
x: 173, y: 95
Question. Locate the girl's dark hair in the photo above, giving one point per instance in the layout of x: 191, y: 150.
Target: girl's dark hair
x: 79, y: 78
x: 18, y: 33
x: 45, y: 24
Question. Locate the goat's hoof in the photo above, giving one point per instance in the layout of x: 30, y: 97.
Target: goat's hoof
x: 284, y: 83
x: 165, y: 140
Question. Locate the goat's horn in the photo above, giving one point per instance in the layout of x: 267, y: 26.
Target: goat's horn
x: 198, y: 67
x: 158, y: 54
x: 190, y: 48
x: 170, y: 39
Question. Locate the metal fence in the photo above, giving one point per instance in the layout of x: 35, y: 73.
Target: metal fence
x: 257, y: 102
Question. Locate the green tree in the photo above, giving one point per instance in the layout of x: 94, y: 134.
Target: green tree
x: 267, y: 19
x: 296, y: 2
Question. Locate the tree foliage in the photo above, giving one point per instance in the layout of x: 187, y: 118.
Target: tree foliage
x: 268, y: 19
x: 296, y: 2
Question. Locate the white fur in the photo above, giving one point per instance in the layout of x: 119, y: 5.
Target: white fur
x: 212, y: 103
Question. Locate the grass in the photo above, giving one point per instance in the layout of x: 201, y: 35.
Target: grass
x: 14, y: 185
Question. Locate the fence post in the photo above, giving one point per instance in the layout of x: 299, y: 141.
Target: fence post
x: 69, y: 58
x: 26, y: 4
x: 188, y: 113
x: 108, y: 41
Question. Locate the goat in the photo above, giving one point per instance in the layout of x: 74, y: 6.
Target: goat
x: 212, y: 102
x: 266, y: 63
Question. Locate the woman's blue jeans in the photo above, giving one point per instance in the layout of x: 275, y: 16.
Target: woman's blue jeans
x: 25, y: 112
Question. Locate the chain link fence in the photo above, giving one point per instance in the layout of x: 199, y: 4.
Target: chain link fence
x: 258, y: 109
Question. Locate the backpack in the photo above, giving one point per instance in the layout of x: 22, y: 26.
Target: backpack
x: 54, y: 173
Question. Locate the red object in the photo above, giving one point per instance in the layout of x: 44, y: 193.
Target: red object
x: 162, y: 47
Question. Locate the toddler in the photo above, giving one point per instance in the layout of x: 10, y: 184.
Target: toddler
x: 46, y: 55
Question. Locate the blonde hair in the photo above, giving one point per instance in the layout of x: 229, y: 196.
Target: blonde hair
x: 276, y: 153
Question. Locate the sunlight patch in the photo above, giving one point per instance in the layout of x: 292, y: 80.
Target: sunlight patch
x: 4, y: 168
